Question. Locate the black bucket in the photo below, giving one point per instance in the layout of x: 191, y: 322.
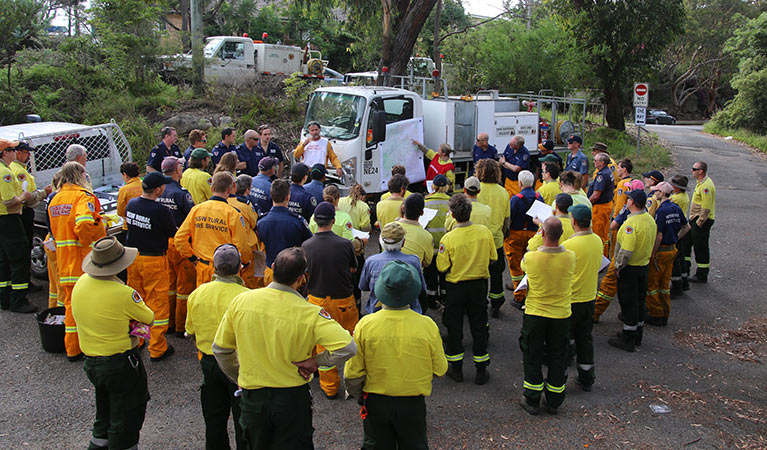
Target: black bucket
x: 51, y: 336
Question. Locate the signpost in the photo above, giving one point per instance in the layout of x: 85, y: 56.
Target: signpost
x: 641, y: 101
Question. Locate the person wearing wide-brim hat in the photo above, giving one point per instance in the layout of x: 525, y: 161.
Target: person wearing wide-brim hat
x: 398, y: 353
x: 681, y: 269
x: 105, y: 309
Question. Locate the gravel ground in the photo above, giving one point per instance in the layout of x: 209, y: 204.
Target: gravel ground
x: 707, y: 365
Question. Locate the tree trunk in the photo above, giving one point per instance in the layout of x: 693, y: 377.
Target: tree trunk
x: 712, y: 92
x: 385, y: 40
x: 411, y: 21
x: 435, y: 51
x: 614, y: 106
x: 186, y: 42
x: 9, y: 74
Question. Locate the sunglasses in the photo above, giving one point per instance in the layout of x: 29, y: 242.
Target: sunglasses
x: 696, y: 169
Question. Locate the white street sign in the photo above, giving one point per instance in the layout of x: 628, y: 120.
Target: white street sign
x: 639, y: 116
x: 641, y: 95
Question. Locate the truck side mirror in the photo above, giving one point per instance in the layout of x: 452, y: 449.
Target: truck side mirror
x: 379, y: 126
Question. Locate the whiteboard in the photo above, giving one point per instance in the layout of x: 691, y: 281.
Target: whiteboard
x: 398, y: 148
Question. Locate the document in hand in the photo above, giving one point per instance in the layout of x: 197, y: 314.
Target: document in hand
x: 540, y: 210
x: 360, y: 234
x: 522, y: 284
x: 428, y: 215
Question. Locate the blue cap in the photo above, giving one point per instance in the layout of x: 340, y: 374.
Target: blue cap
x: 153, y: 180
x: 325, y: 211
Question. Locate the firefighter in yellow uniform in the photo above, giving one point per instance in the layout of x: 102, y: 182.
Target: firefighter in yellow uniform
x: 481, y: 214
x: 435, y: 281
x: 562, y: 204
x: 195, y: 179
x: 651, y: 179
x: 264, y: 336
x: 623, y: 176
x: 73, y: 215
x: 702, y: 214
x: 389, y: 210
x: 206, y: 307
x: 465, y: 254
x: 105, y: 310
x: 130, y: 190
x: 550, y: 188
x: 211, y: 224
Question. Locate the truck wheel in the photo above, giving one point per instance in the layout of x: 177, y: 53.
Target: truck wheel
x: 39, y: 262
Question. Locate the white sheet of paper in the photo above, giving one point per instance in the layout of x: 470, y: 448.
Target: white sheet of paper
x: 428, y: 215
x: 259, y: 264
x: 540, y: 210
x: 605, y: 263
x: 430, y: 186
x: 360, y: 234
x: 522, y: 284
x: 24, y: 185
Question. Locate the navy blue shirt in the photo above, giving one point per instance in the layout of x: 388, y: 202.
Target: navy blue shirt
x: 281, y: 229
x: 150, y: 224
x: 260, y: 189
x: 315, y: 188
x: 578, y: 163
x: 519, y: 158
x: 477, y: 153
x: 520, y: 204
x: 301, y: 202
x: 622, y: 216
x: 178, y: 200
x: 187, y: 155
x: 670, y: 219
x: 604, y: 183
x: 220, y: 150
x: 160, y: 152
x: 272, y: 150
x: 250, y: 158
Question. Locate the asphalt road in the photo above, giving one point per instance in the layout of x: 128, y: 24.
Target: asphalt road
x: 707, y: 365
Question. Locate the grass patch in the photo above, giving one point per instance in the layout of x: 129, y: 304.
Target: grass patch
x: 652, y: 154
x: 748, y: 137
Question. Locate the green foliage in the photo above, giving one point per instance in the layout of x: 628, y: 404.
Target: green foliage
x: 749, y: 107
x: 452, y: 17
x: 758, y: 141
x: 21, y: 25
x: 623, y: 145
x: 505, y: 55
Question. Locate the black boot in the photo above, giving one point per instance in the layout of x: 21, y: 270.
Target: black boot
x: 638, y: 335
x: 676, y: 289
x: 656, y: 321
x: 482, y: 374
x: 624, y: 340
x: 685, y: 284
x: 455, y: 371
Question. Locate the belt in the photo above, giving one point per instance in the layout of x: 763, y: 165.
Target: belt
x: 132, y: 351
x: 207, y: 263
x: 142, y: 253
x: 371, y: 394
x: 666, y: 248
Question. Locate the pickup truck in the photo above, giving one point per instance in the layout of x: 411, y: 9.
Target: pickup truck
x: 107, y: 149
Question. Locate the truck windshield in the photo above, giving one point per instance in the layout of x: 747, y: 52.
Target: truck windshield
x: 340, y: 115
x: 211, y: 46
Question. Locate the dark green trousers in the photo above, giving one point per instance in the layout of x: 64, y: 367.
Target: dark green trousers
x: 121, y: 388
x: 277, y: 418
x: 581, y: 325
x: 497, y: 267
x: 394, y: 423
x: 466, y: 298
x: 681, y: 269
x: 217, y: 399
x: 700, y: 237
x: 544, y: 336
x: 632, y: 289
x: 14, y: 262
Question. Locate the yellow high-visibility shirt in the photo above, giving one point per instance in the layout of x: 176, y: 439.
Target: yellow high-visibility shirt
x: 682, y: 200
x: 342, y: 227
x: 481, y: 214
x: 359, y: 213
x: 197, y: 182
x: 206, y: 306
x: 637, y: 235
x: 550, y: 273
x: 9, y: 188
x: 567, y: 231
x: 386, y: 195
x: 103, y: 309
x: 271, y: 328
x: 704, y: 197
x: 496, y: 197
x: 465, y: 253
x: 388, y: 211
x: 398, y: 353
x: 549, y: 191
x: 436, y: 226
x: 418, y: 241
x: 620, y: 195
x: 652, y: 204
x: 21, y: 172
x: 587, y: 247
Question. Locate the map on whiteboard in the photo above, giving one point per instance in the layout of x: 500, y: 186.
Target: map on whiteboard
x: 398, y: 148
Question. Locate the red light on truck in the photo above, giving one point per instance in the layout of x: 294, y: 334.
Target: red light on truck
x: 385, y: 69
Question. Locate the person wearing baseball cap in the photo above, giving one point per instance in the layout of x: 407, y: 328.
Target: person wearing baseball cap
x: 301, y: 201
x: 481, y: 214
x: 672, y: 225
x: 681, y: 271
x: 195, y: 179
x: 634, y: 246
x: 577, y: 160
x: 105, y: 310
x: 14, y: 247
x: 392, y: 239
x: 317, y: 175
x: 399, y: 352
x: 150, y: 226
x: 587, y: 247
x: 331, y: 261
x: 262, y: 184
x: 206, y: 307
x: 650, y: 179
x: 601, y: 194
